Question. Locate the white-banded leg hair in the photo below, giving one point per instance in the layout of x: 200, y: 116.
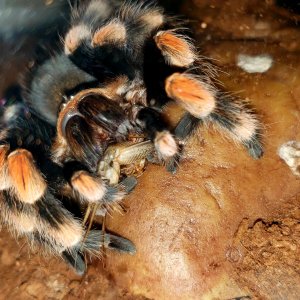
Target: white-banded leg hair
x: 90, y: 189
x: 114, y: 45
x: 94, y: 241
x: 199, y: 96
x: 156, y: 128
x: 47, y: 223
x: 109, y: 22
x: 84, y: 17
x: 234, y: 116
x: 18, y: 219
x: 193, y: 90
x: 46, y: 216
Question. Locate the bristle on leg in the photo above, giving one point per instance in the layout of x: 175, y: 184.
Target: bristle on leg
x: 75, y: 36
x: 18, y: 220
x: 152, y: 19
x: 89, y: 187
x: 240, y: 121
x: 177, y: 49
x: 118, y: 192
x: 75, y: 261
x: 57, y: 224
x: 197, y: 97
x: 114, y: 33
x: 165, y: 145
x: 95, y: 240
x: 4, y: 178
x: 27, y: 181
x: 23, y: 223
x: 115, y: 194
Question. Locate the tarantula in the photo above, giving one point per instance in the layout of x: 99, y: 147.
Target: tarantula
x: 121, y: 63
x: 36, y: 195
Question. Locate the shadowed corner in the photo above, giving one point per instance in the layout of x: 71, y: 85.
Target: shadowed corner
x: 22, y: 24
x: 171, y: 6
x: 32, y: 18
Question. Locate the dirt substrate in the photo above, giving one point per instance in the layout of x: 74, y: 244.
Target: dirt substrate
x: 267, y: 256
x: 225, y: 226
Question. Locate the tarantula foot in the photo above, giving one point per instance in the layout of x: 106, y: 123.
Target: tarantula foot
x: 128, y: 185
x: 95, y: 240
x: 173, y: 163
x: 119, y: 244
x: 115, y: 194
x: 255, y: 148
x: 75, y: 261
x: 187, y: 126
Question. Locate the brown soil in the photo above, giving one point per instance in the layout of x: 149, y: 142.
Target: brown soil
x: 266, y: 255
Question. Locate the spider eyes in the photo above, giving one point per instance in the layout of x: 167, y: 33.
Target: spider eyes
x: 62, y: 106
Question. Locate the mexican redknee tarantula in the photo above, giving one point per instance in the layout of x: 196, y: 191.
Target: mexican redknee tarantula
x: 121, y: 63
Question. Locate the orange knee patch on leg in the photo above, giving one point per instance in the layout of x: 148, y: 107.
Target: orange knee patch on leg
x: 111, y: 33
x: 89, y: 187
x: 3, y: 154
x: 176, y: 49
x: 192, y: 94
x: 4, y: 177
x: 27, y: 182
x: 75, y: 36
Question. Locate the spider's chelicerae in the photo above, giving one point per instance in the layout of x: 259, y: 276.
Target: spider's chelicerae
x: 120, y: 64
